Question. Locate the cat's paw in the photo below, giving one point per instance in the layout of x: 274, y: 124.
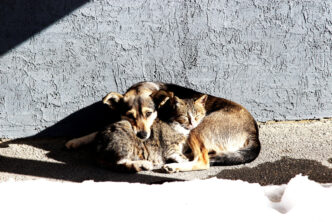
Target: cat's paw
x: 182, y: 159
x: 142, y: 165
x: 135, y: 165
x: 170, y: 168
x: 178, y: 158
x: 146, y: 165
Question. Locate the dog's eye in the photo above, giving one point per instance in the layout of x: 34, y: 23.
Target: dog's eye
x: 147, y: 114
x: 182, y: 119
x: 130, y: 115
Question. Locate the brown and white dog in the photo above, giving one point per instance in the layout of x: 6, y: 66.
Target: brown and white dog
x: 228, y: 135
x: 135, y: 105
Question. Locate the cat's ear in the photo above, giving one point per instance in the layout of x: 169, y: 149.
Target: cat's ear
x: 112, y: 99
x: 161, y: 97
x: 202, y: 100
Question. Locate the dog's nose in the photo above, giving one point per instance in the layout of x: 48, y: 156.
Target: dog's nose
x: 142, y: 134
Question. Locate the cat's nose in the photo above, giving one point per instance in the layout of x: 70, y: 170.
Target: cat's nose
x: 193, y: 125
x: 190, y: 127
x: 142, y: 135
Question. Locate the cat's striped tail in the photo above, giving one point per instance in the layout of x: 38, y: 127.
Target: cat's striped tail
x: 241, y: 156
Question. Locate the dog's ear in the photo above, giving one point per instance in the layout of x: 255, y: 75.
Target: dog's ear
x: 201, y: 100
x: 112, y: 99
x: 177, y: 101
x: 161, y: 97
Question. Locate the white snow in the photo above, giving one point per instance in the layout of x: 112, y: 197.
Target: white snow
x: 198, y: 200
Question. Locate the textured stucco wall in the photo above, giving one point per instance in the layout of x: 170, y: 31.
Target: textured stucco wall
x: 274, y: 57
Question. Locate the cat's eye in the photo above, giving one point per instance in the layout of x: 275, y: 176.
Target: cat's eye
x: 147, y: 114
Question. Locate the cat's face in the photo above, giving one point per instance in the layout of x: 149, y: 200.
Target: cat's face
x: 189, y: 112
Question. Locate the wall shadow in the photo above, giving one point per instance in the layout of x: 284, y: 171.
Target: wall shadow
x: 81, y: 122
x: 21, y: 19
x: 280, y: 172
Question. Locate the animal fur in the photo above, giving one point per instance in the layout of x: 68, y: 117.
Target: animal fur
x: 228, y: 135
x: 118, y: 148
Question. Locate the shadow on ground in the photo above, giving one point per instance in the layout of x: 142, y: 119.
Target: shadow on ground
x: 75, y: 166
x: 280, y: 172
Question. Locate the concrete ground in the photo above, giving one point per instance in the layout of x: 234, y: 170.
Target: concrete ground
x: 288, y: 148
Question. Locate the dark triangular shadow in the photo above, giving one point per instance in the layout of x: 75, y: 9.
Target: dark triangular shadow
x: 82, y: 122
x: 20, y: 19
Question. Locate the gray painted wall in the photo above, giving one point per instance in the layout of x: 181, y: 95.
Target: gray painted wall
x: 273, y: 57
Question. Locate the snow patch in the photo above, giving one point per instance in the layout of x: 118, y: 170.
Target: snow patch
x: 213, y: 199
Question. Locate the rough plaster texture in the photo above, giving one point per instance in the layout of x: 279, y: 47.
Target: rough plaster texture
x: 274, y: 57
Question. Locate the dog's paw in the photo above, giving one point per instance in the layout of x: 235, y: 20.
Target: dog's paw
x: 72, y: 144
x: 170, y: 168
